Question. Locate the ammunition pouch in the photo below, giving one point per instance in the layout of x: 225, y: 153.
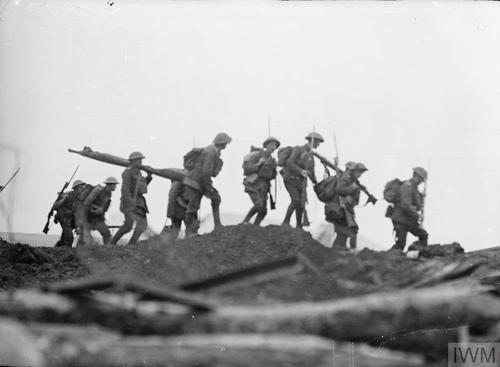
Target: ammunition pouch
x: 389, y: 211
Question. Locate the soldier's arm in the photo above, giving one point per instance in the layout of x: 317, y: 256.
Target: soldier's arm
x: 91, y: 198
x: 312, y: 172
x: 209, y: 165
x: 291, y: 163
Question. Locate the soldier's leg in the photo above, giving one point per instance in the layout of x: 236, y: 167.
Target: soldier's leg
x: 401, y: 234
x: 191, y: 219
x: 215, y: 202
x: 253, y: 210
x: 175, y: 229
x: 260, y: 205
x: 124, y: 229
x: 299, y: 204
x: 103, y: 229
x: 340, y: 240
x: 353, y: 241
x: 140, y: 227
x: 67, y: 238
x: 422, y: 235
x: 305, y: 219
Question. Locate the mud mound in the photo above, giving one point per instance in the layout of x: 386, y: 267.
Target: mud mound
x: 22, y: 265
x: 437, y: 250
x: 334, y: 273
x: 174, y: 263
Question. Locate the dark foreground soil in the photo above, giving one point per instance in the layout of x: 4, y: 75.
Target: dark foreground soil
x: 333, y: 273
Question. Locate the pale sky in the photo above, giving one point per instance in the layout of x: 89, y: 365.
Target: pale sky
x: 401, y: 83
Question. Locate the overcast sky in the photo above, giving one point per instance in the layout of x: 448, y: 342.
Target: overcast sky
x: 401, y: 83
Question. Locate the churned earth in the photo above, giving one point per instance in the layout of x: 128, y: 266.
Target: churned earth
x: 331, y: 273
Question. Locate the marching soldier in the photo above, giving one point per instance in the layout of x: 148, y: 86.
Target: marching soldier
x: 95, y: 206
x: 346, y: 198
x: 198, y: 182
x: 132, y: 201
x: 65, y: 214
x: 407, y: 210
x: 259, y: 168
x: 300, y: 166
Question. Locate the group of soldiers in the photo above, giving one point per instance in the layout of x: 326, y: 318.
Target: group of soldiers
x: 83, y: 208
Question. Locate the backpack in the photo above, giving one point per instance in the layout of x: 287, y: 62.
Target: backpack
x: 249, y: 160
x: 326, y: 189
x: 191, y: 157
x: 283, y: 155
x: 391, y: 190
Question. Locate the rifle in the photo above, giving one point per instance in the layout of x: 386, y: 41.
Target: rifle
x: 59, y: 196
x: 371, y: 199
x: 10, y: 179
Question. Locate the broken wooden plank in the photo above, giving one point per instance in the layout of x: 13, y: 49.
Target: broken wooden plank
x: 93, y: 346
x: 144, y: 291
x: 247, y: 276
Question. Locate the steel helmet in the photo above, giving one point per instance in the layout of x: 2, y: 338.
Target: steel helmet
x: 111, y: 180
x: 360, y: 167
x: 350, y: 165
x: 77, y: 183
x: 222, y: 138
x: 135, y: 155
x: 315, y: 136
x: 420, y: 172
x: 270, y: 140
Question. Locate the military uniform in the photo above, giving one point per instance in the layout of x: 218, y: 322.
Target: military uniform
x: 260, y: 168
x: 65, y: 217
x: 405, y: 214
x: 133, y: 204
x: 198, y: 182
x: 176, y: 209
x: 300, y: 159
x: 346, y: 198
x: 100, y: 199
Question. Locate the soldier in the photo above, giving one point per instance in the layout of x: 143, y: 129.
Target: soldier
x: 95, y: 206
x: 407, y: 209
x: 176, y: 210
x: 132, y: 201
x: 198, y: 182
x: 260, y: 168
x: 298, y: 167
x: 65, y: 214
x: 346, y: 198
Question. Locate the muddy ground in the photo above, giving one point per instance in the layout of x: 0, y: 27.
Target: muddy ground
x: 335, y: 273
